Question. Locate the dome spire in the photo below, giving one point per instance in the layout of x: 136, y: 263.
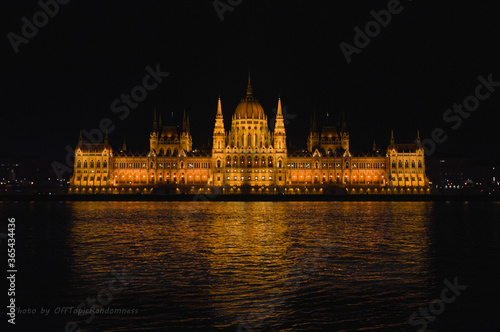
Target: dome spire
x: 249, y: 87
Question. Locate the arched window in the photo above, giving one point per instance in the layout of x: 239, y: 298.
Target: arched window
x: 218, y: 163
x: 235, y: 161
x: 79, y: 164
x: 151, y: 165
x: 263, y: 162
x: 105, y: 164
x: 346, y: 165
x: 162, y: 152
x: 413, y: 164
x: 228, y: 161
x: 182, y: 164
x: 176, y: 152
x: 249, y: 143
x: 85, y: 165
x: 406, y: 164
x: 270, y: 161
x: 400, y: 164
x: 393, y: 164
x: 419, y: 164
x: 91, y: 164
x: 169, y: 152
x: 316, y: 165
x: 280, y: 164
x: 98, y: 164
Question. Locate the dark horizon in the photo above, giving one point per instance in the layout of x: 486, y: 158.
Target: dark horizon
x: 427, y: 58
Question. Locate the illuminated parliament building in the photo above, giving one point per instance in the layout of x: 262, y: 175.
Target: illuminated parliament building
x: 248, y: 159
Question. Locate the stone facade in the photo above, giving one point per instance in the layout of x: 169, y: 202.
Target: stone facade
x: 249, y: 159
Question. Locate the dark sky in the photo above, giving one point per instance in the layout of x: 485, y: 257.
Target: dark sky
x: 427, y: 58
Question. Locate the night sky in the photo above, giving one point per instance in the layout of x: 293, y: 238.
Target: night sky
x: 66, y: 77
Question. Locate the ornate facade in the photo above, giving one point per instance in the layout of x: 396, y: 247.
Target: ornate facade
x: 251, y: 159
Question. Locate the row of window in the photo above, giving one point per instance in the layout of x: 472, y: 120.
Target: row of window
x: 400, y: 178
x: 97, y: 178
x: 161, y: 165
x: 249, y: 171
x: 249, y: 163
x: 129, y: 165
x: 406, y: 164
x: 86, y: 164
x: 339, y: 165
x: 368, y: 165
x: 168, y: 152
x: 97, y: 171
x: 242, y: 178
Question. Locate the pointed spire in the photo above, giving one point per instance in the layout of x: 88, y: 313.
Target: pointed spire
x: 106, y: 138
x: 185, y: 122
x: 374, y: 146
x: 312, y: 127
x: 219, y: 120
x: 159, y: 123
x: 124, y: 147
x: 279, y: 113
x: 155, y: 124
x: 183, y: 119
x: 392, y: 137
x: 279, y: 125
x: 219, y: 108
x: 249, y: 87
x: 418, y: 136
x: 344, y: 125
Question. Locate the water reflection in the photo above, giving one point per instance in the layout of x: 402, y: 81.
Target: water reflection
x: 255, y: 265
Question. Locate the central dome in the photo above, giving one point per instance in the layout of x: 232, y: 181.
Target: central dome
x: 249, y: 108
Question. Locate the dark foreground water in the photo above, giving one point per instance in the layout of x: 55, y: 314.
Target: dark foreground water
x: 257, y: 266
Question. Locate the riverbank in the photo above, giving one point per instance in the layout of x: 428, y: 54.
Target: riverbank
x: 255, y: 198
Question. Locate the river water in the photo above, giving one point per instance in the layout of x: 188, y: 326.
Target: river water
x: 257, y: 266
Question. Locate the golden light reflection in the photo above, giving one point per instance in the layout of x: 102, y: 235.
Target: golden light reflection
x: 253, y: 257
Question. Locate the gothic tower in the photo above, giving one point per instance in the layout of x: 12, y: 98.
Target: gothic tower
x: 219, y: 144
x: 313, y: 138
x: 279, y: 131
x: 344, y: 135
x: 186, y: 139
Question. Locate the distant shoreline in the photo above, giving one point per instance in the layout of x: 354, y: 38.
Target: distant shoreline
x: 254, y: 198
